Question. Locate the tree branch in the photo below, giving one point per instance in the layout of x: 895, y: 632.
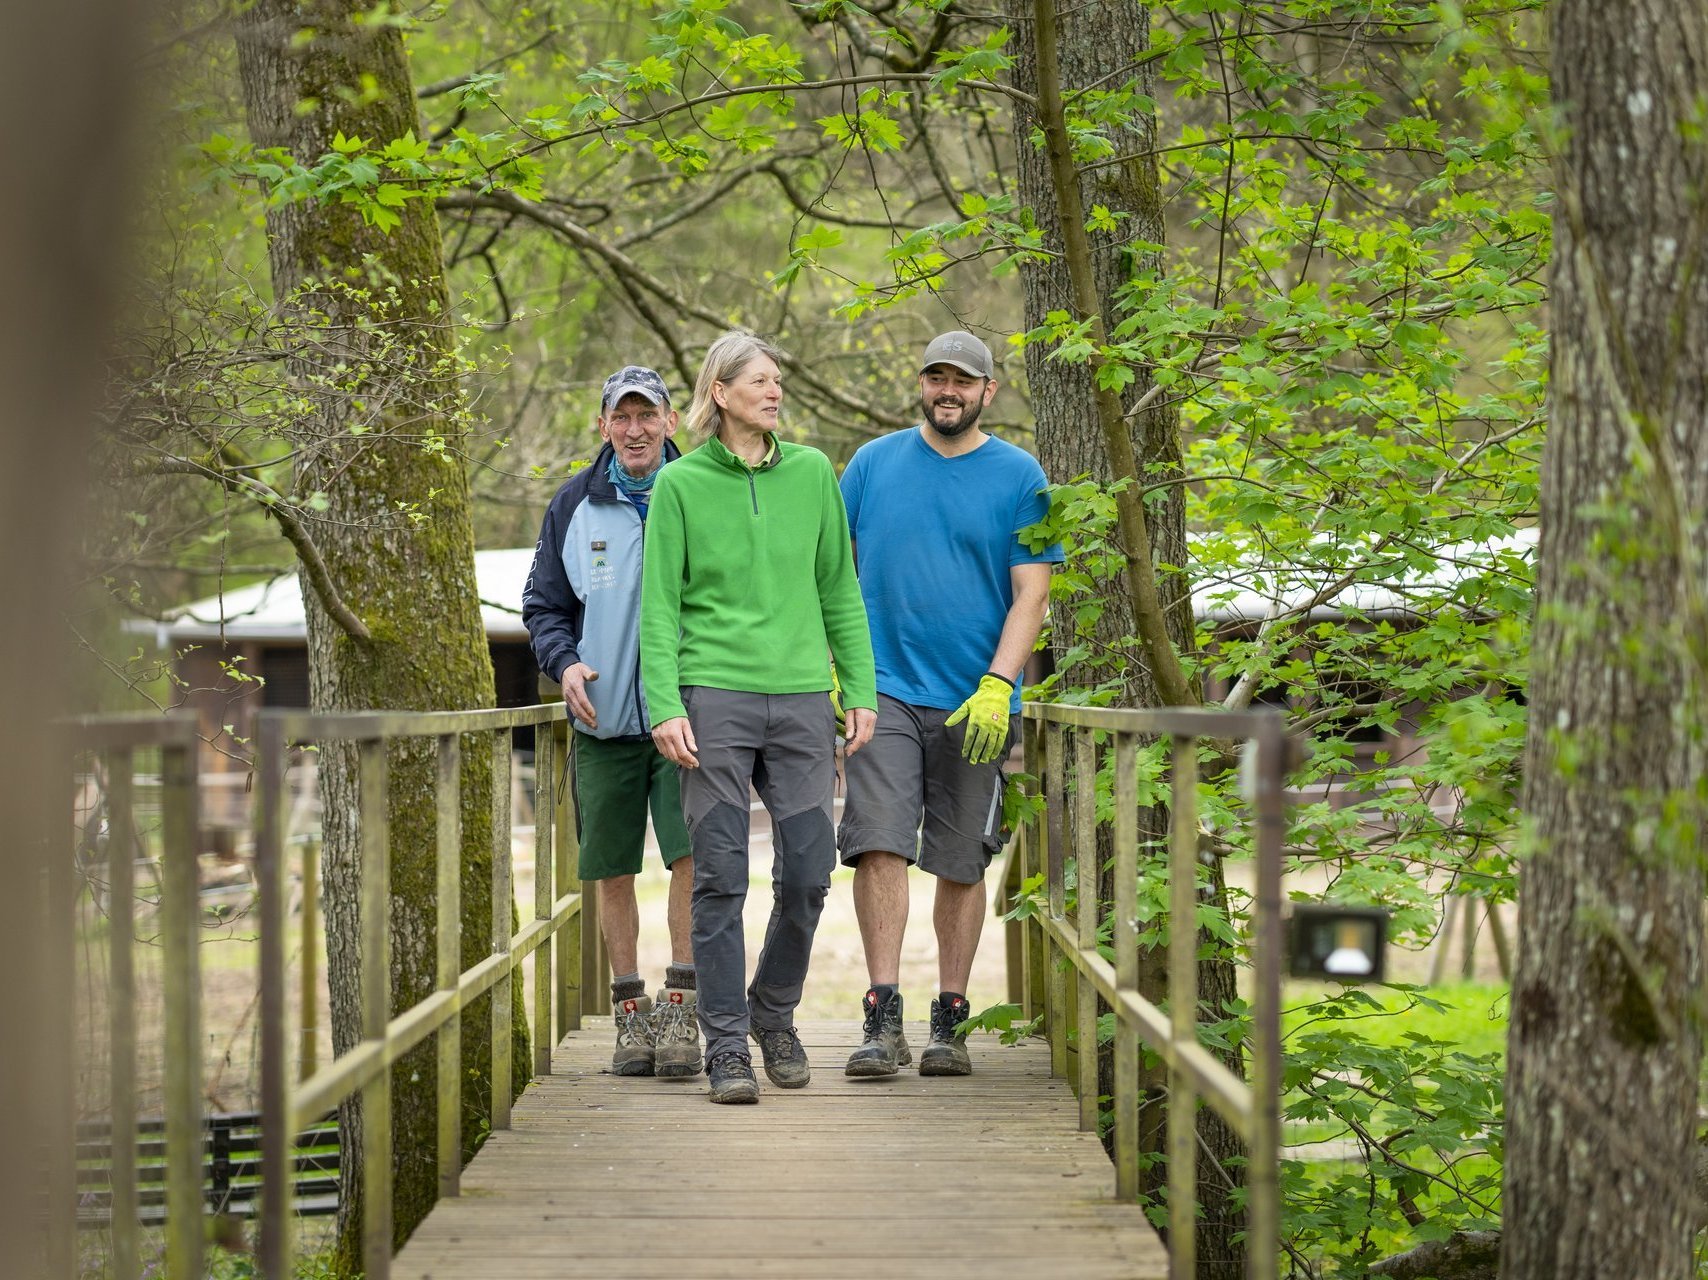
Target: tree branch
x: 773, y: 86
x: 633, y: 273
x: 273, y: 502
x: 1464, y: 1255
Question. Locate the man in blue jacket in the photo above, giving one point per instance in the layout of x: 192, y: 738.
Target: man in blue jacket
x: 582, y: 610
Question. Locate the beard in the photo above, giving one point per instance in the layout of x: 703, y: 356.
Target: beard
x: 965, y: 422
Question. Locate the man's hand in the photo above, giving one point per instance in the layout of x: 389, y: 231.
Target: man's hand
x: 986, y: 714
x: 860, y: 722
x: 674, y: 739
x: 576, y: 677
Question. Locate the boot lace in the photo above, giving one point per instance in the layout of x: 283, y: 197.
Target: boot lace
x: 945, y: 1018
x: 779, y: 1045
x: 634, y: 1028
x: 874, y: 1019
x: 730, y: 1063
x: 671, y: 1022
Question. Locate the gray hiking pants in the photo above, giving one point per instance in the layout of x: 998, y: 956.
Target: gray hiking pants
x: 784, y: 745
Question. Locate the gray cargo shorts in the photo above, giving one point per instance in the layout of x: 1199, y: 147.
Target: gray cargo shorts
x: 912, y: 793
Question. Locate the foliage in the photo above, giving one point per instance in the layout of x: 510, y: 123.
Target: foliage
x: 1347, y: 320
x: 1418, y: 1109
x: 1354, y: 345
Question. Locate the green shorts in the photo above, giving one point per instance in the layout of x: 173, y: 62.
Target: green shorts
x: 614, y: 784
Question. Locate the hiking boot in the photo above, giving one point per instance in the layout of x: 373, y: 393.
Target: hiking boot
x: 946, y: 1054
x: 785, y: 1060
x: 885, y: 1047
x: 732, y: 1079
x: 676, y: 1034
x: 634, y: 1037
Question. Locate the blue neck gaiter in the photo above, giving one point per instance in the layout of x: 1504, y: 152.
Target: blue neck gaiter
x: 636, y: 491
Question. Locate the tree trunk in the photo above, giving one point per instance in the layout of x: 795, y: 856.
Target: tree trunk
x: 311, y: 70
x: 1098, y: 44
x: 1605, y: 1038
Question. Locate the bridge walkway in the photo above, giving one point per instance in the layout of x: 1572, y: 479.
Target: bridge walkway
x: 600, y: 1176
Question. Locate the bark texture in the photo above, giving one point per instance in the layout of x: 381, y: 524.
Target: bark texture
x: 312, y: 69
x: 1605, y: 1038
x: 1098, y: 44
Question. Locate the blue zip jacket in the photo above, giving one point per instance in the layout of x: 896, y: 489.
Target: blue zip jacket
x: 582, y: 601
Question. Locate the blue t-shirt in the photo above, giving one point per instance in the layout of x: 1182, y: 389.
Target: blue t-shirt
x: 935, y: 538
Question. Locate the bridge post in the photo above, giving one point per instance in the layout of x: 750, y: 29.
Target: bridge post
x: 1183, y: 1007
x: 1055, y: 800
x: 1126, y: 1084
x: 179, y: 905
x: 1034, y: 853
x: 1085, y: 916
x: 375, y: 963
x: 503, y: 903
x: 448, y: 968
x: 273, y: 1254
x: 564, y: 854
x: 545, y: 899
x: 121, y: 914
x: 1263, y: 1213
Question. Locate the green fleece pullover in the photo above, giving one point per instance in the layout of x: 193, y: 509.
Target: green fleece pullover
x: 748, y: 580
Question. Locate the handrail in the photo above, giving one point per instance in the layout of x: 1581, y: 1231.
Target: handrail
x: 366, y: 1066
x: 1060, y: 973
x: 288, y: 1105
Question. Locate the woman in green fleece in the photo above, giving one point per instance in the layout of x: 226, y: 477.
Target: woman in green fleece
x: 748, y: 589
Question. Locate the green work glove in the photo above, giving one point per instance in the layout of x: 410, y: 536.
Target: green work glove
x: 836, y: 702
x: 986, y: 714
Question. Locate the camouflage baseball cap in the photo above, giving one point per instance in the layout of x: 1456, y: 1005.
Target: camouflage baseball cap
x: 961, y: 349
x: 633, y: 379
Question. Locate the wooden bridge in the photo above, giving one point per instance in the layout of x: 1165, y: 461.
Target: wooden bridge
x: 600, y: 1175
x: 594, y: 1175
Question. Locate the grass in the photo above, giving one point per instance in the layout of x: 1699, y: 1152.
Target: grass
x: 1415, y: 1069
x: 1472, y: 1016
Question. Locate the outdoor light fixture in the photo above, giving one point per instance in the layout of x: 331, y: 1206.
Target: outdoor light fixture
x: 1341, y: 943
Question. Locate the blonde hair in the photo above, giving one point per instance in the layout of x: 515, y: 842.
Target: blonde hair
x: 725, y: 358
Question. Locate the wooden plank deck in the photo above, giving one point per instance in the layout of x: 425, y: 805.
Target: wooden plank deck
x: 632, y: 1179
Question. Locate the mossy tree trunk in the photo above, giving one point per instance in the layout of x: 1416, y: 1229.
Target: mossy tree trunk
x: 1100, y: 44
x: 396, y: 537
x: 1605, y: 1038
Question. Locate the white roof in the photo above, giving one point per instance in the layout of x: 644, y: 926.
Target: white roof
x: 1381, y: 587
x: 273, y: 610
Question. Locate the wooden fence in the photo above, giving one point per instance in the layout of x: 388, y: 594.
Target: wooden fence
x: 1056, y: 969
x: 291, y: 1105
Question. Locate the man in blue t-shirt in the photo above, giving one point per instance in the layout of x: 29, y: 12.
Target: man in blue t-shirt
x: 955, y: 601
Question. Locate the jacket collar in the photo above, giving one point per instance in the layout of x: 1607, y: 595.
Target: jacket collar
x: 720, y: 453
x: 599, y: 478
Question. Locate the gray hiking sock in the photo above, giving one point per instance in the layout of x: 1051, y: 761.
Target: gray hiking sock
x: 627, y: 986
x: 680, y: 976
x: 886, y: 991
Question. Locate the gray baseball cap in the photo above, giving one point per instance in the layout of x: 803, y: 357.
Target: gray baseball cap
x: 633, y: 379
x: 962, y: 350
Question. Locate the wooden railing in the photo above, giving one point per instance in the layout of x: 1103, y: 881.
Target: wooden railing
x: 114, y: 744
x: 1055, y: 968
x: 290, y: 1104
